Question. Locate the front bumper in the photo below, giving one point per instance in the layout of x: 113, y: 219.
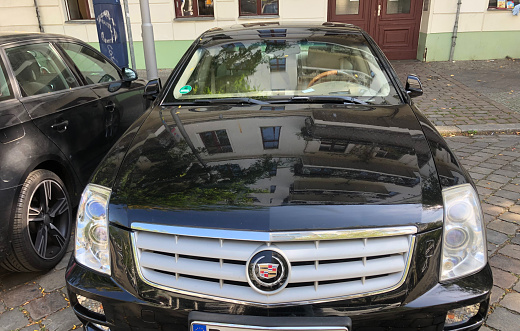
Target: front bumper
x: 125, y: 310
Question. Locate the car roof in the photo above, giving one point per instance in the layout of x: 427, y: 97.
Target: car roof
x: 11, y: 37
x: 276, y: 29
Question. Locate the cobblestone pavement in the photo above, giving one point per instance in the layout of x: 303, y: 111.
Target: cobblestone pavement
x: 38, y: 301
x: 467, y: 92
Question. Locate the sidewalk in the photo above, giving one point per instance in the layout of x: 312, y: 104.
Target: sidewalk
x: 468, y: 96
x: 480, y: 97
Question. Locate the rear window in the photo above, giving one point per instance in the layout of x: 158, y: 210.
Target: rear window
x: 271, y: 69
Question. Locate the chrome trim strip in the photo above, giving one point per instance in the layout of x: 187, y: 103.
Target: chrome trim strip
x: 275, y: 236
x: 272, y: 305
x: 240, y: 327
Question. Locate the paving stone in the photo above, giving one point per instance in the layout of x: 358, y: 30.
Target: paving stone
x: 517, y: 287
x: 20, y: 295
x: 46, y: 305
x: 498, y: 201
x: 504, y: 227
x: 512, y: 302
x: 53, y: 280
x: 503, y: 320
x: 503, y: 279
x: 515, y: 209
x: 510, y: 195
x: 63, y: 320
x: 511, y: 251
x: 498, y: 178
x: 510, y: 217
x: 516, y: 239
x: 495, y: 237
x: 489, y: 184
x: 496, y: 295
x: 505, y: 263
x: 14, y: 279
x: 33, y: 327
x: 64, y: 262
x: 484, y: 192
x: 484, y: 328
x: 12, y: 320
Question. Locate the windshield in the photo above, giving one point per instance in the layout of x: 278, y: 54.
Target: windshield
x: 273, y: 70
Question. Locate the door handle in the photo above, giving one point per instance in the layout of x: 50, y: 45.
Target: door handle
x: 110, y: 106
x: 61, y: 126
x: 378, y: 10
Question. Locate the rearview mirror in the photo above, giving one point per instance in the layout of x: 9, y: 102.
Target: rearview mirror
x: 152, y: 89
x: 413, y: 86
x: 129, y: 74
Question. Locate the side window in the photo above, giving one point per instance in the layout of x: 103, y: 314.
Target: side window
x: 91, y: 64
x: 5, y: 85
x: 38, y: 69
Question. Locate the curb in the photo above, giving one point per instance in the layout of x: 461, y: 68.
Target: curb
x: 491, y: 128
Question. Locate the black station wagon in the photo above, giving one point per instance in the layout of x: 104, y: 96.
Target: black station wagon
x: 62, y: 106
x: 282, y: 180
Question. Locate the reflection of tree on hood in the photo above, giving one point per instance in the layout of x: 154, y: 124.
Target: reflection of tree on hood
x: 186, y: 183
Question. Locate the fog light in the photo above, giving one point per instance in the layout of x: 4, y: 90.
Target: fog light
x: 461, y: 315
x: 101, y: 327
x: 92, y: 305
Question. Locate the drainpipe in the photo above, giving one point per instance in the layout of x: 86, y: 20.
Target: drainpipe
x: 38, y: 16
x: 129, y: 33
x: 148, y: 41
x: 455, y: 30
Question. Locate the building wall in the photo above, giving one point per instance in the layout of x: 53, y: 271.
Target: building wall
x: 173, y: 36
x: 482, y: 34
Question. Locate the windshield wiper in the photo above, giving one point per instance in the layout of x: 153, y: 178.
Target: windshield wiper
x: 327, y: 99
x: 243, y: 101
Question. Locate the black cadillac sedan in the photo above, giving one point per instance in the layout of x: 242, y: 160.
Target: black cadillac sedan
x: 62, y: 106
x: 282, y: 180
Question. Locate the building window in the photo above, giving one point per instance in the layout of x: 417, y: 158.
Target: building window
x: 258, y: 7
x: 503, y: 4
x: 216, y: 141
x: 332, y: 146
x: 277, y: 65
x: 271, y: 137
x: 80, y: 9
x: 193, y: 8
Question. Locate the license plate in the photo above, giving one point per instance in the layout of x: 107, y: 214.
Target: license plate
x: 212, y: 326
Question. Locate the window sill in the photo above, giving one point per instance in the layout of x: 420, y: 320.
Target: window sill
x: 89, y: 21
x: 499, y: 9
x: 199, y: 18
x: 255, y: 17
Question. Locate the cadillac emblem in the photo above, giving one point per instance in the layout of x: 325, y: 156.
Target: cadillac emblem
x: 268, y: 271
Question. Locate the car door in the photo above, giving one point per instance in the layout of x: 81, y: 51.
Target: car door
x: 121, y: 106
x: 60, y: 106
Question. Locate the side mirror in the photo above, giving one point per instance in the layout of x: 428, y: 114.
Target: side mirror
x: 114, y: 86
x: 152, y: 89
x: 129, y: 75
x: 413, y: 86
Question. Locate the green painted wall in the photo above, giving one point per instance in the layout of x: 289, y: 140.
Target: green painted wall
x: 470, y: 45
x: 168, y: 52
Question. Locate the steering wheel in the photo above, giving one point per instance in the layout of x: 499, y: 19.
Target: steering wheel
x: 329, y: 73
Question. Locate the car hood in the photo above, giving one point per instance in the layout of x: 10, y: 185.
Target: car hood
x: 278, y: 168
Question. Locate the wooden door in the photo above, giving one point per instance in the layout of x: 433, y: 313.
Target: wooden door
x: 394, y: 24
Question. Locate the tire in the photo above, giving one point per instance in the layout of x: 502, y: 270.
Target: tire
x: 42, y: 223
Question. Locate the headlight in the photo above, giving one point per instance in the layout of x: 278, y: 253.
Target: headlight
x: 92, y: 249
x: 464, y: 242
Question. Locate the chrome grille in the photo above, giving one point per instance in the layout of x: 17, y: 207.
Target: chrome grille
x: 325, y: 265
